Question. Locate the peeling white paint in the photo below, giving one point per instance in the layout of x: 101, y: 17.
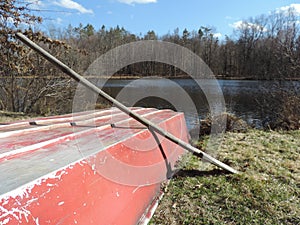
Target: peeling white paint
x: 37, y: 221
x: 26, y: 189
x: 31, y: 201
x: 137, y: 188
x: 17, y: 213
x: 61, y: 203
x: 6, y: 221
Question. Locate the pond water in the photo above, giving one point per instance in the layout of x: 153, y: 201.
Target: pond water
x: 244, y: 98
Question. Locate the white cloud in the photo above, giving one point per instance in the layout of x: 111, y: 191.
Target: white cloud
x: 237, y: 24
x: 296, y: 7
x: 69, y: 4
x: 35, y: 4
x: 59, y: 20
x: 243, y: 24
x: 217, y: 35
x: 131, y: 2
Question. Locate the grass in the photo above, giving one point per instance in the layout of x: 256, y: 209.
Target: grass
x: 266, y: 192
x: 7, y: 119
x: 6, y: 116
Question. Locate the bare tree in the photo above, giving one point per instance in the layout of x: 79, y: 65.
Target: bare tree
x: 24, y: 76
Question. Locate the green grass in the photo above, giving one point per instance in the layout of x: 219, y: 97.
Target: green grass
x: 266, y: 192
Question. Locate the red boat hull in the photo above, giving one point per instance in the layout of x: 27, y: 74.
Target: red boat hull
x: 79, y: 169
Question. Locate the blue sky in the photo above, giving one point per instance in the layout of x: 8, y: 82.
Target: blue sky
x: 162, y: 16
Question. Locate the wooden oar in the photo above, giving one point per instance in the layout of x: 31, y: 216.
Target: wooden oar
x: 151, y: 126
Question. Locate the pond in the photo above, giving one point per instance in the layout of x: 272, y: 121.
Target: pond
x: 243, y: 98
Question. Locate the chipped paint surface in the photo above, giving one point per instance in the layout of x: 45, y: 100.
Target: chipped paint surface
x: 60, y: 180
x: 25, y: 196
x: 6, y: 221
x: 61, y: 203
x: 26, y: 189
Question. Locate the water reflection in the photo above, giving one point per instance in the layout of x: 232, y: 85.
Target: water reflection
x: 242, y: 97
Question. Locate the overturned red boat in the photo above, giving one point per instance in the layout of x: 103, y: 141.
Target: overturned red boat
x: 95, y: 167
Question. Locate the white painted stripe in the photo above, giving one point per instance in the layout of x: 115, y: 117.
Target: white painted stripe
x: 47, y: 120
x: 39, y: 145
x: 54, y: 126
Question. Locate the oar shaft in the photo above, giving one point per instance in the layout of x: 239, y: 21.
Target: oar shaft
x: 64, y: 68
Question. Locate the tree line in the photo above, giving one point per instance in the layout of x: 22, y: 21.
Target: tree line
x: 264, y: 47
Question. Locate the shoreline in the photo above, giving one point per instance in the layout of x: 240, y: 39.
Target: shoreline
x: 218, y: 77
x: 178, y: 77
